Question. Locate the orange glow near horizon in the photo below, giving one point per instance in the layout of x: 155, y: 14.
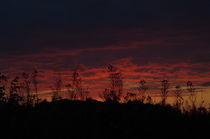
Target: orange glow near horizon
x: 150, y: 59
x: 96, y: 78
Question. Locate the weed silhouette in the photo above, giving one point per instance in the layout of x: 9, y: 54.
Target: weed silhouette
x: 142, y: 89
x: 164, y: 91
x: 178, y: 97
x: 116, y: 83
x: 79, y: 116
x: 192, y: 95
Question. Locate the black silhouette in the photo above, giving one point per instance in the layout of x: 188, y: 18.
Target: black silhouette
x: 79, y: 116
x: 164, y: 91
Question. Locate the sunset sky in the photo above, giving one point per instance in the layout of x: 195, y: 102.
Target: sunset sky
x: 144, y: 39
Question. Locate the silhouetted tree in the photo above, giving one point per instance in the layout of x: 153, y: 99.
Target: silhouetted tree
x: 15, y: 87
x: 164, y: 91
x: 116, y: 83
x: 142, y: 89
x: 3, y: 82
x: 57, y: 88
x: 26, y: 86
x: 192, y: 94
x: 178, y: 96
x: 108, y: 120
x: 81, y: 93
x: 35, y: 84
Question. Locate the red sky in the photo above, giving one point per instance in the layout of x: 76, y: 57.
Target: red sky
x: 153, y: 41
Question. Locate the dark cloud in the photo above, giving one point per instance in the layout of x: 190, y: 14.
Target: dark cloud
x: 36, y: 25
x: 163, y: 38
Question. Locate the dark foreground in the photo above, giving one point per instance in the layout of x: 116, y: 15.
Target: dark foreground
x: 96, y: 120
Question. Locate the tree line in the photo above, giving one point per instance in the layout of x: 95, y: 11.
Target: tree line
x: 23, y: 90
